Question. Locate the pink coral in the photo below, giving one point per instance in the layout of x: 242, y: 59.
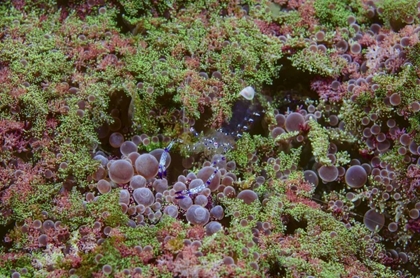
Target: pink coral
x: 297, y: 192
x: 307, y: 13
x: 414, y: 225
x: 323, y: 87
x: 11, y: 136
x: 268, y: 28
x: 412, y: 180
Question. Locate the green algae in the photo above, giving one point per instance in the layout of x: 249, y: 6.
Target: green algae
x: 107, y: 209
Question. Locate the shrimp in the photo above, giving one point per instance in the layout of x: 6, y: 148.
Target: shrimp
x: 163, y: 158
x: 181, y: 194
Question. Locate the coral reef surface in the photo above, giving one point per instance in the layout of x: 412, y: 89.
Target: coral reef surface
x: 230, y: 138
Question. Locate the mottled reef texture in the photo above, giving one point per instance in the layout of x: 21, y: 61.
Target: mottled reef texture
x: 209, y: 138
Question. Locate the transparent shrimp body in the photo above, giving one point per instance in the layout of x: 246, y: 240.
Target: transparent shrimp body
x: 163, y: 158
x: 181, y: 194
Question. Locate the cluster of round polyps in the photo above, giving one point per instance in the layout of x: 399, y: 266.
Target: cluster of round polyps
x: 300, y: 122
x: 141, y: 193
x: 198, y: 208
x: 389, y: 188
x: 374, y: 180
x: 378, y: 41
x: 292, y: 122
x: 376, y: 136
x: 40, y: 233
x: 377, y: 182
x: 121, y: 171
x: 297, y: 121
x: 146, y: 197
